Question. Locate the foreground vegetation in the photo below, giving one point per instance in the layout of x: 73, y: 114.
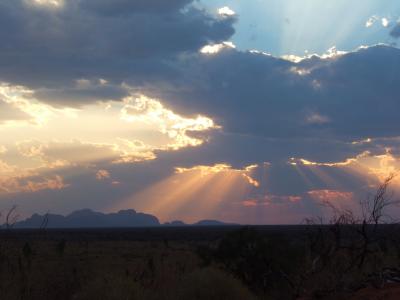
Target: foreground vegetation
x: 245, y: 263
x: 348, y: 257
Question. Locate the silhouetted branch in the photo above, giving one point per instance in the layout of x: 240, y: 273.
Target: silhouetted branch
x: 11, y: 217
x: 45, y: 221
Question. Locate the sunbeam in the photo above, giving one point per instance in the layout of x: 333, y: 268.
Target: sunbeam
x: 193, y: 192
x: 284, y: 27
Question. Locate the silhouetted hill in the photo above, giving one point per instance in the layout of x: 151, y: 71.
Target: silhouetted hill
x: 210, y: 223
x: 175, y: 224
x: 87, y: 218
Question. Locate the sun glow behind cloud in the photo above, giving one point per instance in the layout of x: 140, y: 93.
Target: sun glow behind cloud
x: 226, y: 11
x: 216, y: 48
x: 194, y: 192
x: 21, y: 99
x: 47, y: 3
x: 374, y: 168
x: 118, y: 132
x: 48, y: 138
x: 150, y: 111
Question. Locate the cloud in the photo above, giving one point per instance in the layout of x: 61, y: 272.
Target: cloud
x: 330, y: 196
x: 162, y: 105
x: 58, y: 154
x: 221, y: 86
x: 222, y: 168
x: 151, y: 111
x: 371, y: 21
x: 14, y: 180
x: 385, y: 22
x: 194, y: 191
x: 395, y: 32
x: 101, y: 39
x: 9, y: 112
x: 19, y: 107
x: 257, y: 94
x: 102, y: 175
x: 12, y: 185
x: 268, y: 200
x: 46, y: 3
x: 214, y: 49
x: 127, y: 7
x: 82, y: 92
x: 226, y: 11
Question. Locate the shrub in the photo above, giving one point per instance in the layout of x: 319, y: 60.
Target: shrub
x: 111, y: 288
x: 211, y: 284
x: 267, y: 264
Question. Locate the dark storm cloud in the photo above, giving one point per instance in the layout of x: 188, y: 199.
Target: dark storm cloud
x: 154, y: 48
x: 107, y: 39
x: 346, y: 97
x: 75, y: 94
x: 243, y: 150
x: 124, y: 7
x: 395, y: 32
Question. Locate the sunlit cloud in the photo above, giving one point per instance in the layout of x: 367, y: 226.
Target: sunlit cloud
x: 216, y: 48
x: 14, y: 180
x: 373, y: 168
x: 59, y: 154
x: 23, y: 99
x: 371, y: 21
x: 63, y: 136
x: 382, y: 166
x: 12, y: 185
x: 385, y: 22
x: 134, y: 151
x: 177, y: 128
x: 102, y: 175
x: 333, y: 197
x: 299, y: 71
x: 222, y: 168
x: 3, y: 149
x: 226, y: 11
x: 364, y: 141
x: 6, y: 169
x: 53, y: 183
x: 331, y: 53
x: 250, y: 203
x: 271, y: 200
x: 330, y: 195
x: 295, y: 59
x: 316, y: 118
x: 46, y: 3
x: 112, y: 132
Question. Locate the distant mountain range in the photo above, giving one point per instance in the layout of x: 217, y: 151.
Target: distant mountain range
x: 87, y: 218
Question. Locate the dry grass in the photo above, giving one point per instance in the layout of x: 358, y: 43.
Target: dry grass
x: 110, y: 270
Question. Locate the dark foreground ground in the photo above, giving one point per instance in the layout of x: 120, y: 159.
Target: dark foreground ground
x: 266, y: 262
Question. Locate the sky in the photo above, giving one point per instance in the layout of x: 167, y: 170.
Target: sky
x: 246, y: 111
